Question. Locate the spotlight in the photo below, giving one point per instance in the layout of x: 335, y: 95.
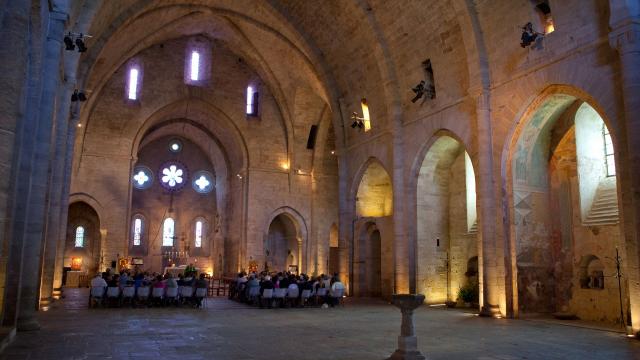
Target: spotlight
x: 78, y: 96
x: 357, y: 121
x: 528, y: 35
x: 80, y: 43
x: 68, y: 42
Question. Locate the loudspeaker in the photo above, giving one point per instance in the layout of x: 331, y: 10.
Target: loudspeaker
x: 311, y: 141
x: 113, y: 264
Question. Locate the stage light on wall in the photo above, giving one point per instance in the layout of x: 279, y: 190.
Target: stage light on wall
x: 73, y: 40
x: 529, y: 35
x: 358, y: 122
x: 68, y: 42
x: 78, y: 96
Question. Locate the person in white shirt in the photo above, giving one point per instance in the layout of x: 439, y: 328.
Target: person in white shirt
x: 337, y: 290
x: 98, y: 281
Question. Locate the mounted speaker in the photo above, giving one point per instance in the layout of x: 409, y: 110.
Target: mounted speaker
x: 311, y: 141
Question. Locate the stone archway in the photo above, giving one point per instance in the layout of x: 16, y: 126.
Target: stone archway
x: 446, y: 218
x: 284, y: 242
x: 368, y: 261
x: 563, y: 205
x: 83, y: 242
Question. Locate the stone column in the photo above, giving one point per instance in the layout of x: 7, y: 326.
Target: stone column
x: 401, y: 246
x: 33, y: 235
x: 486, y: 204
x: 17, y: 59
x: 299, y: 242
x: 56, y: 186
x: 625, y: 38
x: 64, y: 204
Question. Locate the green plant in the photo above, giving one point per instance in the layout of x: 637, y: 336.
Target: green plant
x: 469, y: 293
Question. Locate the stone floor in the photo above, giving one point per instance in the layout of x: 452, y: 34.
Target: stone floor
x: 365, y: 330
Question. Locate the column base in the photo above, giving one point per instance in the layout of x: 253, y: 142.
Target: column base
x: 490, y: 311
x: 407, y: 349
x: 30, y: 324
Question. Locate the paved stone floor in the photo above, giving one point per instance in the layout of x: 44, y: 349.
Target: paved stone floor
x: 228, y: 330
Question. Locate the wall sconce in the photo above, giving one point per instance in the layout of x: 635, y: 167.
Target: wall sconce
x: 70, y: 44
x: 285, y: 165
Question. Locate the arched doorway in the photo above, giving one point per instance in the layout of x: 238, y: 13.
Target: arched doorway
x: 372, y: 254
x: 368, y: 262
x: 334, y: 251
x: 446, y: 223
x: 563, y: 207
x: 83, y: 243
x: 283, y: 246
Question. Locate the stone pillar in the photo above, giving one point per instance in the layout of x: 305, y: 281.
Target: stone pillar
x: 299, y: 242
x: 17, y: 58
x: 625, y: 38
x: 407, y: 341
x: 33, y: 235
x: 64, y: 204
x: 401, y: 246
x: 56, y: 186
x: 486, y: 203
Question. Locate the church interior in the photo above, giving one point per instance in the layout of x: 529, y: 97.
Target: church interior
x: 474, y: 156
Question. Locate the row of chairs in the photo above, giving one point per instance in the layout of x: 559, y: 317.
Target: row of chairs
x: 147, y: 295
x: 292, y: 297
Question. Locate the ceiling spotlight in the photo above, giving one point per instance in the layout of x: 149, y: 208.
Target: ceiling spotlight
x: 529, y: 35
x: 68, y: 42
x: 78, y: 96
x: 80, y: 43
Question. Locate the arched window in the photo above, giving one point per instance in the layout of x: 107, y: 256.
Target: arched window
x: 132, y: 92
x: 80, y: 236
x: 609, y: 161
x: 365, y: 114
x: 168, y: 232
x: 137, y: 231
x: 199, y: 231
x: 252, y: 101
x: 194, y: 64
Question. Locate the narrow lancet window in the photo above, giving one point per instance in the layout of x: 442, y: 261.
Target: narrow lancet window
x: 168, y: 232
x: 195, y: 66
x: 133, y: 84
x: 80, y: 236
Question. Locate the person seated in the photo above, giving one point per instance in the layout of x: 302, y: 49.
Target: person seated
x: 266, y: 283
x: 283, y: 282
x: 188, y: 279
x: 337, y: 287
x: 159, y: 282
x: 113, y: 281
x: 123, y: 279
x: 253, y: 283
x: 306, y: 284
x: 326, y: 281
x: 138, y: 278
x: 98, y: 281
x: 293, y: 286
x: 171, y: 282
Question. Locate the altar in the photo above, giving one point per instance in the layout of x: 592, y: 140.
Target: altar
x: 73, y: 278
x: 176, y: 270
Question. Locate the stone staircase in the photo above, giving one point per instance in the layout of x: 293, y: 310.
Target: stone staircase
x: 604, y: 210
x: 474, y: 227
